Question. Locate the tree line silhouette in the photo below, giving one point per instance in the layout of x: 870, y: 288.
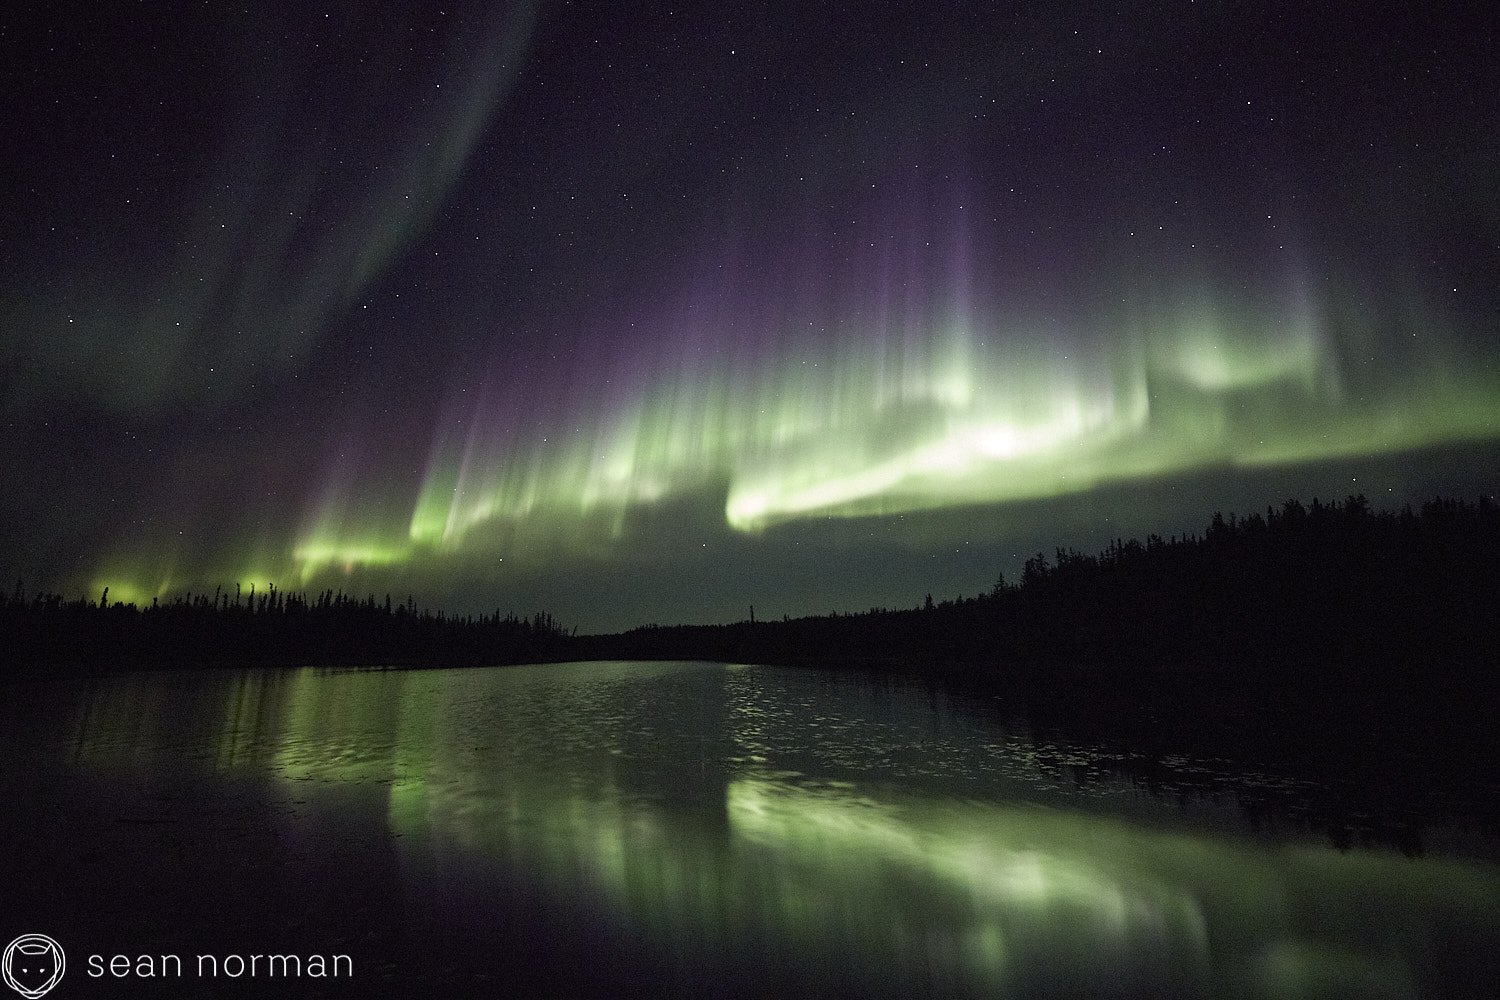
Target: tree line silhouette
x: 1330, y: 593
x: 271, y: 628
x: 1338, y: 590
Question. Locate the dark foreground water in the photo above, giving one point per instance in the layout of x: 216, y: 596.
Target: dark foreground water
x: 633, y: 829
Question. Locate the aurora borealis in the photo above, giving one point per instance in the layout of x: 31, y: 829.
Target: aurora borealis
x: 656, y: 314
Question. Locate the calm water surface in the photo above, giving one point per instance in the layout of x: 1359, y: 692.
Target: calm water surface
x: 675, y: 829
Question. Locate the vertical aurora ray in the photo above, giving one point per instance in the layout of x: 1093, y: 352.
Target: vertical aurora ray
x: 909, y: 373
x: 891, y: 386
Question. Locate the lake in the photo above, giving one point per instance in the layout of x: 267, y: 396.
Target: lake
x: 681, y: 829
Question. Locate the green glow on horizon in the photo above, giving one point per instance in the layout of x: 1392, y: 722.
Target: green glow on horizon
x: 136, y: 578
x: 126, y: 591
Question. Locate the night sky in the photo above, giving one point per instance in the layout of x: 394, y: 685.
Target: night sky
x: 652, y: 312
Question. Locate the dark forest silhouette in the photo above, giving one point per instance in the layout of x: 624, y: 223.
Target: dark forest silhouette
x: 272, y: 628
x: 1334, y: 593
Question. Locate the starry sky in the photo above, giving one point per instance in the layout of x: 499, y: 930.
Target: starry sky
x: 654, y: 312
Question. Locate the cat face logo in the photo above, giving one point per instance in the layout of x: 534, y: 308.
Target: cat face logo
x: 33, y: 964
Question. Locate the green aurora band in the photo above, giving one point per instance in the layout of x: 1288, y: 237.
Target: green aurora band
x: 853, y: 396
x: 888, y: 424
